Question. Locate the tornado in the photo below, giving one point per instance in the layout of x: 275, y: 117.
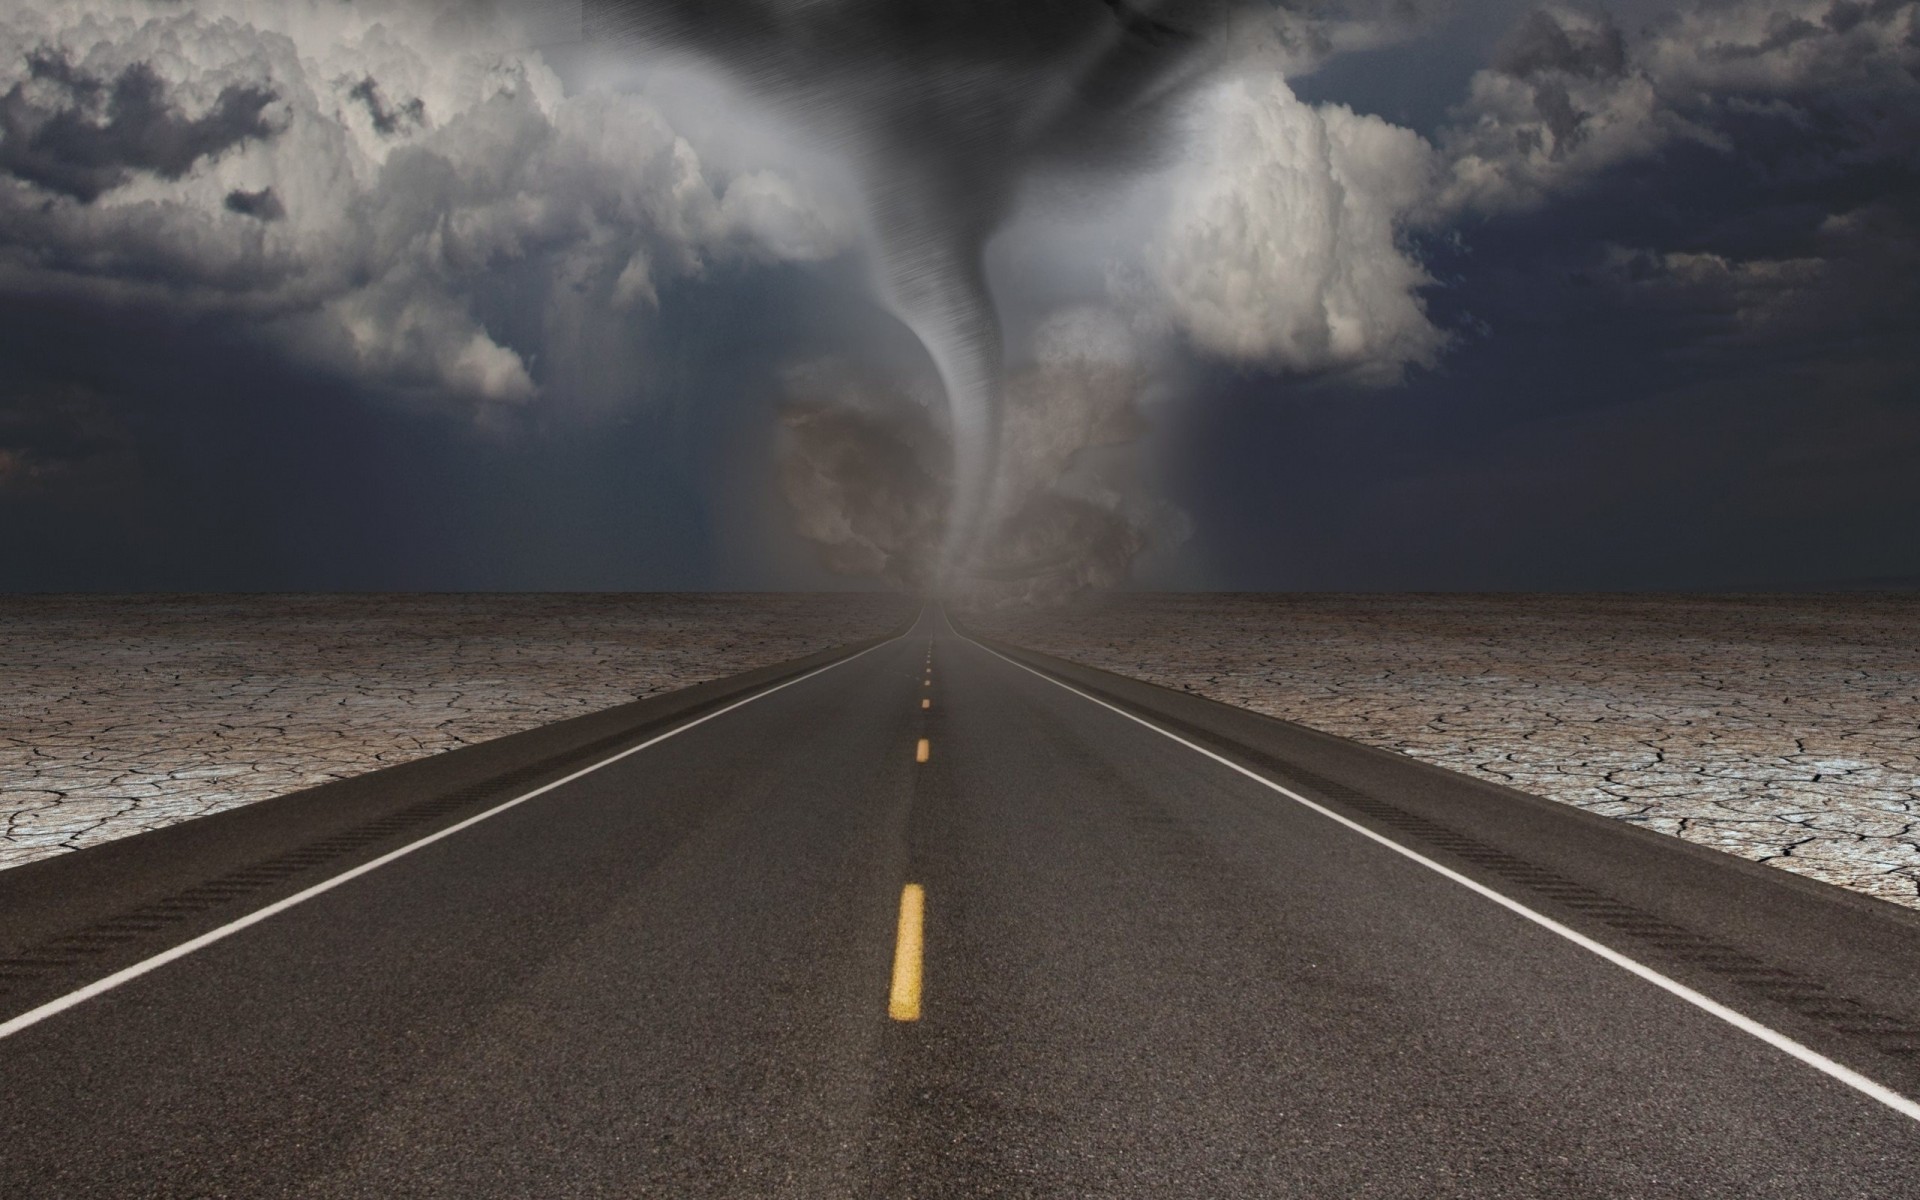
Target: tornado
x: 945, y: 109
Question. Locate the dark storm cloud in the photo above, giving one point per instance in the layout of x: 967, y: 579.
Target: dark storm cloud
x: 1815, y: 91
x: 388, y: 119
x: 1548, y: 50
x: 1542, y: 43
x: 98, y: 132
x: 1565, y: 121
x: 1784, y: 31
x: 263, y: 204
x: 1801, y: 232
x: 407, y: 196
x: 1845, y: 14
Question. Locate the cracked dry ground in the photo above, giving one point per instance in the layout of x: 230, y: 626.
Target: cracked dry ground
x: 122, y: 714
x: 1782, y: 728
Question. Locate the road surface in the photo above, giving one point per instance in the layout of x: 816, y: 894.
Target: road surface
x: 1204, y: 955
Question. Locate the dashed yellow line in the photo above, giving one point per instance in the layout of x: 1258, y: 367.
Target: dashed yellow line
x: 922, y: 751
x: 926, y: 704
x: 903, y: 1002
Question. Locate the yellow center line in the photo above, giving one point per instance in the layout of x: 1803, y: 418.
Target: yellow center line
x: 926, y: 704
x: 903, y: 1003
x: 921, y: 751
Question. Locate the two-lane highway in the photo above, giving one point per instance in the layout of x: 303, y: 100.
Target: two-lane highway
x: 1137, y: 971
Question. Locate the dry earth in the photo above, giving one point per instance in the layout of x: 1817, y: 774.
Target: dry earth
x: 121, y: 714
x: 1782, y: 728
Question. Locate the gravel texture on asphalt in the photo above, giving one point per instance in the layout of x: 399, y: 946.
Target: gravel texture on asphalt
x: 1782, y: 728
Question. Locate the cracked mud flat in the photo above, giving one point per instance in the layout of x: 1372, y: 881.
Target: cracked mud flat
x: 122, y: 714
x: 1785, y: 729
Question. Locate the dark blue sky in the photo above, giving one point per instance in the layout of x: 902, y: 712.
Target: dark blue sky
x: 1681, y: 347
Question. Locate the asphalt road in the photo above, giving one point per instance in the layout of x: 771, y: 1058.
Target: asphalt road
x: 1146, y: 973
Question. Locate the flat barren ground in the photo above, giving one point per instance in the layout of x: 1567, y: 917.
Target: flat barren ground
x: 125, y: 713
x: 1782, y: 728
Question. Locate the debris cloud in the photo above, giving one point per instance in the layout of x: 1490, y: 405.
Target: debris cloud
x: 867, y: 459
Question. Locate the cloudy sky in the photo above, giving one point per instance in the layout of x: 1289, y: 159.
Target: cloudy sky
x: 1344, y: 294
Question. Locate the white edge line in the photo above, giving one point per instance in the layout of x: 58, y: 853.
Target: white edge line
x: 34, y: 1016
x: 1772, y: 1037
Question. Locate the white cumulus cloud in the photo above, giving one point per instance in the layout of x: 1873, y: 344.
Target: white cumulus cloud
x: 1283, y: 240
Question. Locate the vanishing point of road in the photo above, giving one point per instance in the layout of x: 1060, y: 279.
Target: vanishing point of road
x: 939, y: 918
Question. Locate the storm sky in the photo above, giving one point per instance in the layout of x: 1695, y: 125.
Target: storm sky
x: 1384, y: 294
